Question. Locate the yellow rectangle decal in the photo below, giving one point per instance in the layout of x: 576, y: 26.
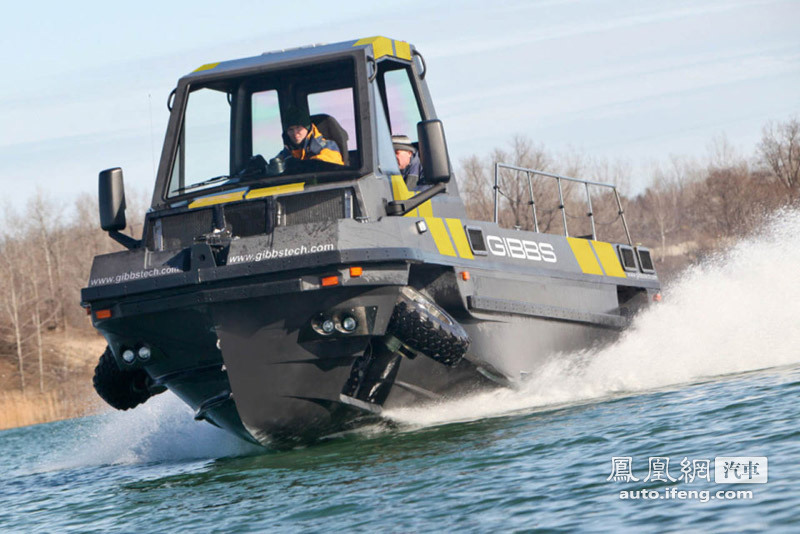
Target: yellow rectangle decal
x: 381, y: 46
x: 585, y: 256
x: 402, y: 50
x: 207, y: 66
x: 460, y: 238
x: 440, y: 236
x: 275, y: 190
x: 217, y: 199
x: 609, y: 259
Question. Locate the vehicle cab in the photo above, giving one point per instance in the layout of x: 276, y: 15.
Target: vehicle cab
x: 227, y: 129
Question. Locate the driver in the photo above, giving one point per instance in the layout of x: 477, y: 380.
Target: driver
x: 408, y: 161
x: 304, y: 140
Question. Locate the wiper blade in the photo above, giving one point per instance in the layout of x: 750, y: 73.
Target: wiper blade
x: 210, y: 181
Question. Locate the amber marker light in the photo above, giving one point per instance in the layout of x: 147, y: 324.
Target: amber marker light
x: 657, y: 297
x: 465, y: 275
x: 328, y: 281
x: 355, y: 272
x: 102, y: 314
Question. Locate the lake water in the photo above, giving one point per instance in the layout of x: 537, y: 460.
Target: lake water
x: 711, y: 372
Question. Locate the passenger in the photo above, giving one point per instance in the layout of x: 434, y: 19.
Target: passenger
x: 408, y: 161
x: 305, y: 140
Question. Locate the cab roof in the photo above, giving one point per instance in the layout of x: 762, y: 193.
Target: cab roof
x: 380, y: 48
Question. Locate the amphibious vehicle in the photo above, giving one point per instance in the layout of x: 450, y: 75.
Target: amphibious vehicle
x: 284, y: 299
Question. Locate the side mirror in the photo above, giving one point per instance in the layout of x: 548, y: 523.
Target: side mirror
x: 111, y: 196
x: 433, y: 151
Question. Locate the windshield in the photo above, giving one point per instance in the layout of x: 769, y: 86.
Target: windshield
x: 264, y: 128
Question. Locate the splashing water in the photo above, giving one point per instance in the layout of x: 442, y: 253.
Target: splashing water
x: 163, y: 429
x: 735, y: 313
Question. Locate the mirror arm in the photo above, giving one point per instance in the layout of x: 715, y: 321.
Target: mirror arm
x: 401, y: 207
x: 124, y: 240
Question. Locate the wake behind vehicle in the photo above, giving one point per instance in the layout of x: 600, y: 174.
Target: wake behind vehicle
x: 284, y: 298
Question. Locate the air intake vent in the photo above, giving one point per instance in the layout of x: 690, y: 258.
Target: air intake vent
x: 178, y: 231
x: 476, y: 241
x: 248, y: 218
x: 317, y: 206
x: 627, y: 257
x: 645, y: 260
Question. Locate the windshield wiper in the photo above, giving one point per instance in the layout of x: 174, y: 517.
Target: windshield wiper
x: 205, y: 182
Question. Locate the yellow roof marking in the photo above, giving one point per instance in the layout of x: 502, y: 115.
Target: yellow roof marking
x: 460, y: 238
x: 440, y: 236
x: 275, y: 190
x: 216, y: 199
x: 608, y: 257
x: 402, y: 50
x: 207, y: 66
x: 585, y: 256
x: 381, y: 46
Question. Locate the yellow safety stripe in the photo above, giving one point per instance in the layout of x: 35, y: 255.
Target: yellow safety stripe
x: 440, y: 236
x: 426, y: 209
x: 275, y: 190
x: 460, y: 238
x: 383, y: 46
x: 585, y: 256
x: 608, y: 257
x: 207, y: 66
x: 400, y: 192
x: 216, y: 199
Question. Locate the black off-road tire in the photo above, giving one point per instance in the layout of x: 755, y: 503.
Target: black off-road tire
x: 122, y: 389
x: 426, y: 328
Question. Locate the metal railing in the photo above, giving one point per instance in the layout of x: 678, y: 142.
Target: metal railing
x: 558, y: 178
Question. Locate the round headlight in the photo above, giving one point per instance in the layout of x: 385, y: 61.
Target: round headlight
x: 327, y: 326
x: 144, y: 353
x: 128, y: 355
x: 349, y: 324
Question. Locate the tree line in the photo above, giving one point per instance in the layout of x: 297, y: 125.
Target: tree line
x: 690, y: 209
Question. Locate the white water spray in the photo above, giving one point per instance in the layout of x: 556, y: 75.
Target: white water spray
x: 163, y: 429
x: 736, y: 313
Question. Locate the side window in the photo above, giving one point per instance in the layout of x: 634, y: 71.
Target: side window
x: 387, y: 162
x: 266, y: 121
x: 204, y: 151
x: 339, y: 105
x: 403, y: 110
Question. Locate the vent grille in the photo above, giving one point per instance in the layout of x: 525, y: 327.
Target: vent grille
x: 476, y: 241
x: 645, y: 260
x: 315, y: 207
x: 247, y: 219
x: 627, y: 257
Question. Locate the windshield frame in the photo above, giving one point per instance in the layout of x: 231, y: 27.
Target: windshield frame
x: 239, y: 79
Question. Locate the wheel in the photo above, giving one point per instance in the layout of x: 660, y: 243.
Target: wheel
x: 424, y: 327
x: 122, y: 389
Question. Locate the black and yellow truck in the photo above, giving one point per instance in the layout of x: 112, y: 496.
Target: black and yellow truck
x: 284, y: 298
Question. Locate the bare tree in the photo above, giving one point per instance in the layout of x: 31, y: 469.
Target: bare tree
x: 779, y: 151
x: 13, y: 299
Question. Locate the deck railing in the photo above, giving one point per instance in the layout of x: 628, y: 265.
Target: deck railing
x: 559, y: 179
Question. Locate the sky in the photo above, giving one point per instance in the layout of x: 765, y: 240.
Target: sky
x: 85, y: 83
